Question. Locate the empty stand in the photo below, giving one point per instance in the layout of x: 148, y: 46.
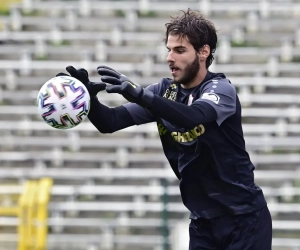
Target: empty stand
x: 108, y: 189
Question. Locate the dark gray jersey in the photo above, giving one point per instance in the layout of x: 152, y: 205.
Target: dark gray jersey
x: 210, y: 159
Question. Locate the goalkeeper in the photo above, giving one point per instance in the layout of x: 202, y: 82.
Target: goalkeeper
x: 198, y: 114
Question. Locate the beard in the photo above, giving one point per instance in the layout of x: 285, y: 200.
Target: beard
x: 189, y: 72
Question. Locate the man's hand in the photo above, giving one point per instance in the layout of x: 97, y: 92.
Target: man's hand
x: 83, y: 76
x: 122, y: 85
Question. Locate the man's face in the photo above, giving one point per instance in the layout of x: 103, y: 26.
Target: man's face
x: 183, y: 60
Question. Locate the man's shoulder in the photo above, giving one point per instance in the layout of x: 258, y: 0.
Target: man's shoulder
x: 166, y: 82
x: 218, y: 82
x: 161, y: 85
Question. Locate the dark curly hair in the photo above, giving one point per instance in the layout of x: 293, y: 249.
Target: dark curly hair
x: 198, y: 31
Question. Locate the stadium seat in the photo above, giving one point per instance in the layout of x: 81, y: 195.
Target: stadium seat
x: 107, y: 188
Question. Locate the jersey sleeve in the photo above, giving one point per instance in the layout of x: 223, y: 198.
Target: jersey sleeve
x: 139, y: 114
x: 221, y: 95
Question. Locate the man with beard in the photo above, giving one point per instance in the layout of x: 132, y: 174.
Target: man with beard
x: 198, y: 115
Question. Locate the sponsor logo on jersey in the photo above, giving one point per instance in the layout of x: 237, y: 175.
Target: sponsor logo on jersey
x: 212, y: 97
x: 161, y: 129
x: 171, y: 95
x: 173, y: 86
x: 189, y: 136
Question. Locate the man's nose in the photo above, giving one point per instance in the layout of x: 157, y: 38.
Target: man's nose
x: 170, y: 57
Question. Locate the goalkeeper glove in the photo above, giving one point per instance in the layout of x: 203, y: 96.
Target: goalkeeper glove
x: 83, y: 76
x: 120, y: 84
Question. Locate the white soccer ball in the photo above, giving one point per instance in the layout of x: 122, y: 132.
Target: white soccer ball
x: 63, y: 102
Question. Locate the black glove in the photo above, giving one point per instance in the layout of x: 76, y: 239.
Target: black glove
x: 132, y: 92
x: 83, y: 76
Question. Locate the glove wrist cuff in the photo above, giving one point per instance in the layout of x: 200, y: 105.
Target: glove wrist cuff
x: 147, y: 99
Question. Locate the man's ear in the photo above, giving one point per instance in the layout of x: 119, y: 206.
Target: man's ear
x: 204, y: 52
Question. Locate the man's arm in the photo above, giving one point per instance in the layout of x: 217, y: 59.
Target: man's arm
x: 202, y: 111
x: 109, y: 120
x: 216, y: 103
x: 177, y: 113
x: 105, y: 119
x: 182, y: 115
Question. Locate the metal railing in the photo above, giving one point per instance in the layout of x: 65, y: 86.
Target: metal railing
x: 32, y: 213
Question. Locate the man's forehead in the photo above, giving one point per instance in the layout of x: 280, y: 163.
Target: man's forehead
x: 176, y: 40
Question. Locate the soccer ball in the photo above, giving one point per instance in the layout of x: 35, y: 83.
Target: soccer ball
x: 63, y: 102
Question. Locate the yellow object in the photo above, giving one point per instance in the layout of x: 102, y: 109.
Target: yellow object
x: 26, y: 215
x: 9, y: 211
x: 32, y: 211
x: 42, y: 214
x: 4, y: 4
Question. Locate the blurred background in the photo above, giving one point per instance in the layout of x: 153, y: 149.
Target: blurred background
x: 81, y: 190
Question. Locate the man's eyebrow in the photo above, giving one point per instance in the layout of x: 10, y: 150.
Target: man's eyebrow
x: 177, y: 47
